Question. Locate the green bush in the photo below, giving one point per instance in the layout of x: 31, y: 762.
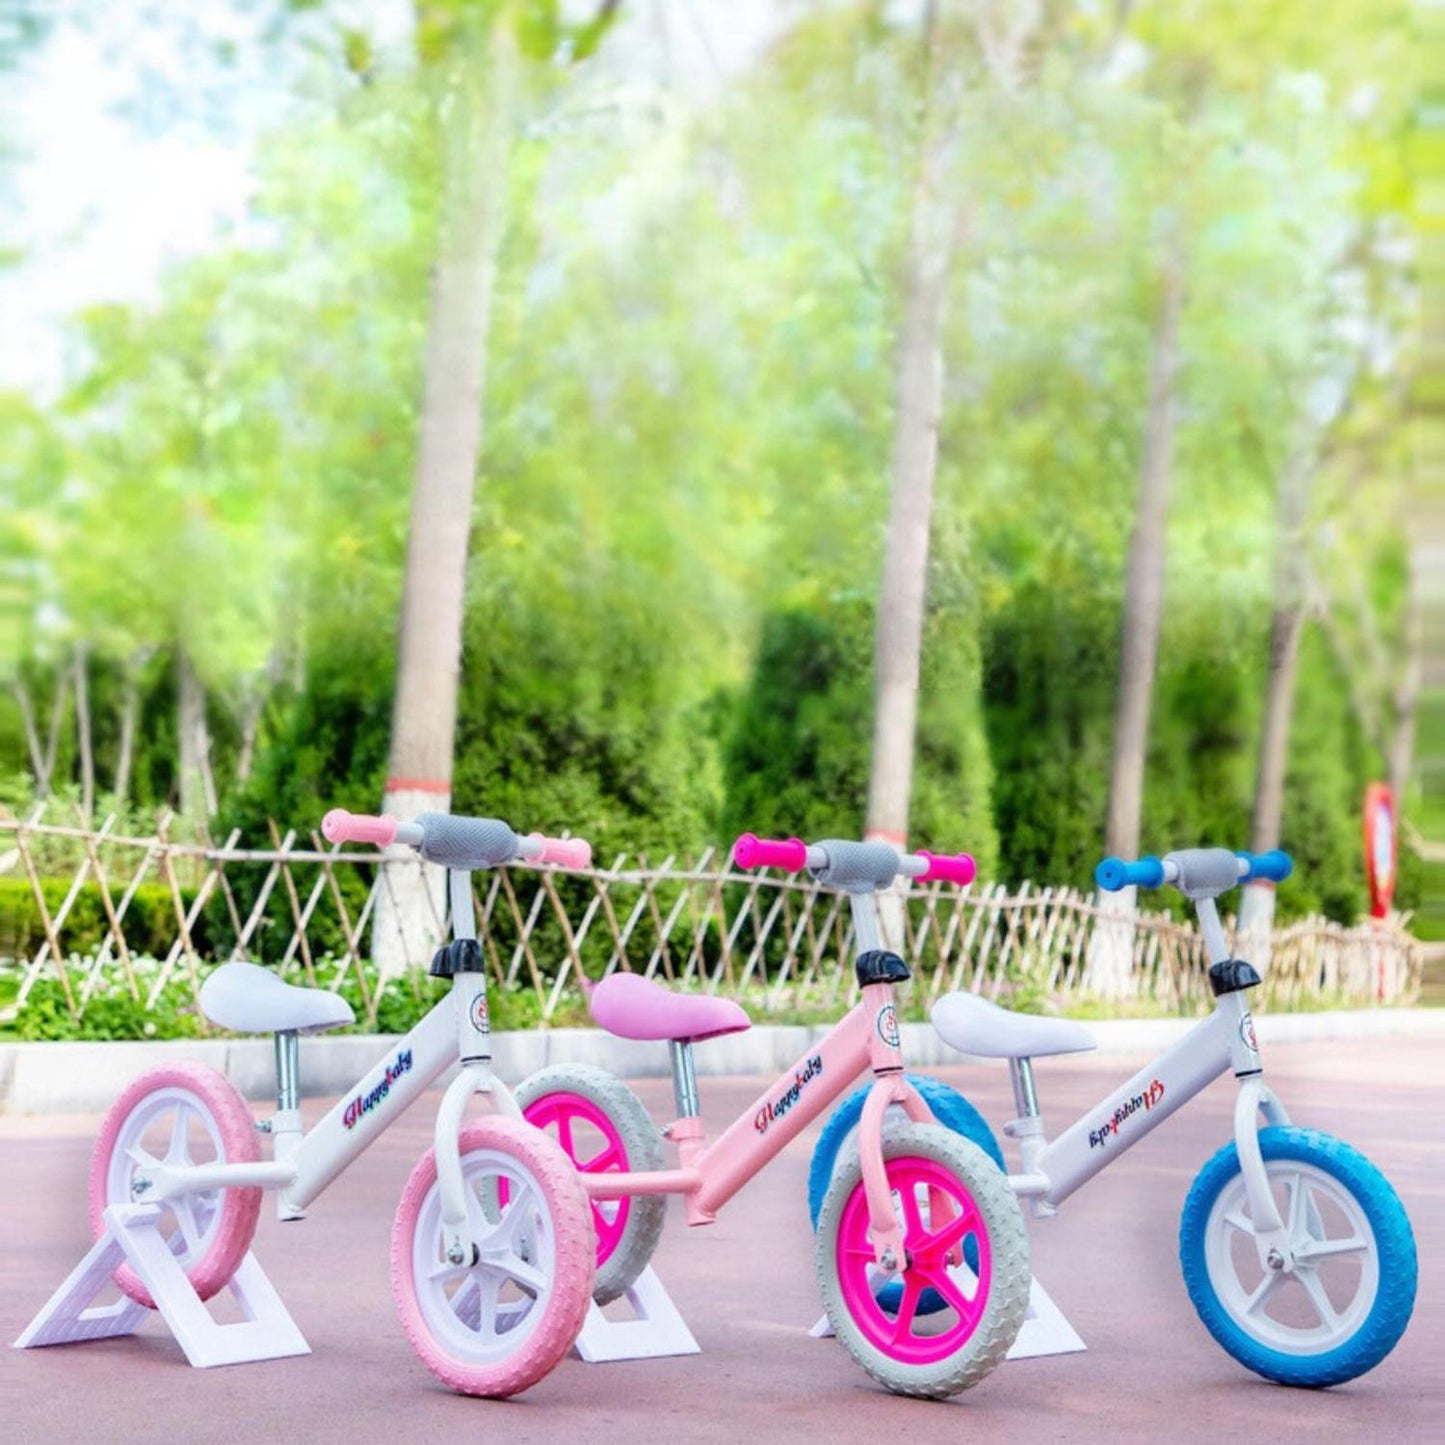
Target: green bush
x: 149, y: 924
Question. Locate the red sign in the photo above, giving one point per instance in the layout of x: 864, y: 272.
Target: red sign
x: 1380, y: 853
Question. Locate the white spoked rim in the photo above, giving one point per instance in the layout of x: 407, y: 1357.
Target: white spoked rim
x: 1328, y: 1294
x: 170, y: 1126
x: 483, y: 1311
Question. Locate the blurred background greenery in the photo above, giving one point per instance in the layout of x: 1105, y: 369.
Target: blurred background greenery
x: 1120, y: 257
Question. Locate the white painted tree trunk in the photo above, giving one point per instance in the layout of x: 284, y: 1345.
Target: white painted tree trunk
x: 429, y: 651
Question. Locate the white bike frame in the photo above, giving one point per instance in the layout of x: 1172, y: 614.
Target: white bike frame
x: 1225, y: 1040
x: 458, y: 1029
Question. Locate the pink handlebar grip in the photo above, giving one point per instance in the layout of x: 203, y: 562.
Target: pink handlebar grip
x: 564, y: 852
x: 750, y: 851
x: 339, y: 826
x: 951, y: 868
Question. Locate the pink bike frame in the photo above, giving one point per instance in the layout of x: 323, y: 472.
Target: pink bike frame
x: 709, y: 1175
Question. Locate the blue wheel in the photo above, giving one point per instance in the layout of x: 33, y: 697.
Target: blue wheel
x: 951, y: 1110
x: 1343, y: 1302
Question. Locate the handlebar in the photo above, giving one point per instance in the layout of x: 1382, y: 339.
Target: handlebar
x: 750, y: 851
x: 457, y: 842
x: 851, y: 865
x: 1114, y: 873
x: 1197, y: 872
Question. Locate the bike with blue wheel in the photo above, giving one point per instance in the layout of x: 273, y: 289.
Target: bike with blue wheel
x: 1296, y: 1250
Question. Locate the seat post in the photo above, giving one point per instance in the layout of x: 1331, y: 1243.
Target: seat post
x: 1026, y: 1099
x: 288, y: 1070
x: 684, y: 1078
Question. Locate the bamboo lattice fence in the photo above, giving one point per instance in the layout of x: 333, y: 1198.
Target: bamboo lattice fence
x: 776, y: 942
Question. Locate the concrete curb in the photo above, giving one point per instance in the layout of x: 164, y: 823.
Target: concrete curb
x: 84, y: 1078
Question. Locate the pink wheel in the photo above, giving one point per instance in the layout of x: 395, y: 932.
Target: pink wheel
x: 603, y: 1128
x: 495, y: 1324
x: 954, y: 1204
x: 180, y: 1114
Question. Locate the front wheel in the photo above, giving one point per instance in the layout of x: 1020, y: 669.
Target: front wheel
x: 1342, y: 1304
x: 178, y: 1115
x: 497, y: 1323
x: 954, y: 1206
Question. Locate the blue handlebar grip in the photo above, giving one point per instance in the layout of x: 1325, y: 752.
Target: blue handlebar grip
x: 1114, y: 873
x: 1274, y: 866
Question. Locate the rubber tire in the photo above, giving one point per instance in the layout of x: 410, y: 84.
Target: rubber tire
x: 1009, y: 1246
x: 570, y: 1291
x: 947, y: 1105
x: 235, y: 1137
x: 642, y: 1150
x: 1394, y: 1245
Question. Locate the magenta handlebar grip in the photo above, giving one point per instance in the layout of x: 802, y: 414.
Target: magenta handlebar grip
x: 339, y: 826
x: 573, y: 853
x: 750, y: 851
x: 951, y: 868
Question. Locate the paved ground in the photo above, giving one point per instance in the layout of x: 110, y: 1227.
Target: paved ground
x: 746, y: 1287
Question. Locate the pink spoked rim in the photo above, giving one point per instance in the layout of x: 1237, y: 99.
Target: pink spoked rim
x: 560, y: 1115
x: 939, y: 1215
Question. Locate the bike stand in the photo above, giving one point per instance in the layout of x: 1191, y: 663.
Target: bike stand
x: 657, y: 1331
x: 266, y: 1333
x: 1044, y: 1331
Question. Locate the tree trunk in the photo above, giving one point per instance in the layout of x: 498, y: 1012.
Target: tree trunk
x: 1144, y: 584
x: 52, y: 741
x: 129, y: 709
x: 83, y: 733
x: 898, y: 633
x: 429, y: 654
x: 197, y: 787
x: 1256, y: 914
x: 1111, y: 952
x: 32, y: 738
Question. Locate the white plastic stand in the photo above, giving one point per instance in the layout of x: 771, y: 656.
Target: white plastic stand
x: 656, y: 1331
x: 267, y: 1331
x: 1044, y: 1331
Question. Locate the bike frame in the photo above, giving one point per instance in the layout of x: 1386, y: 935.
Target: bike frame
x: 304, y: 1164
x: 1224, y: 1041
x: 866, y: 1037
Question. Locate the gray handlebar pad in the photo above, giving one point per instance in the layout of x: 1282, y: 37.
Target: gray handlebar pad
x: 1204, y: 872
x: 465, y: 843
x: 856, y: 867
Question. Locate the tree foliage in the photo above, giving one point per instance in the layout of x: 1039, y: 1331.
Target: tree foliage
x: 690, y: 397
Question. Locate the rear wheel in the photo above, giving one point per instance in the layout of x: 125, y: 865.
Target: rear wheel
x: 602, y: 1127
x: 177, y: 1115
x: 953, y: 1203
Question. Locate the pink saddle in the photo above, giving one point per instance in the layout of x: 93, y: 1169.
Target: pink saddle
x: 633, y: 1007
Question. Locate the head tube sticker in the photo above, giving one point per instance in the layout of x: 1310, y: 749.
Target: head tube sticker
x: 887, y: 1023
x: 1246, y: 1033
x: 481, y: 1019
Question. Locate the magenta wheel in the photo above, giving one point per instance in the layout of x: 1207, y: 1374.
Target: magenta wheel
x: 180, y: 1114
x: 601, y: 1126
x: 498, y: 1323
x: 954, y: 1204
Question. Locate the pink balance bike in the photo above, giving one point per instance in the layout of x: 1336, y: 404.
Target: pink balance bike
x: 492, y: 1248
x: 915, y: 1208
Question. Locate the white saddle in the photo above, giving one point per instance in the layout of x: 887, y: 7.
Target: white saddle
x: 973, y: 1025
x: 250, y: 1000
